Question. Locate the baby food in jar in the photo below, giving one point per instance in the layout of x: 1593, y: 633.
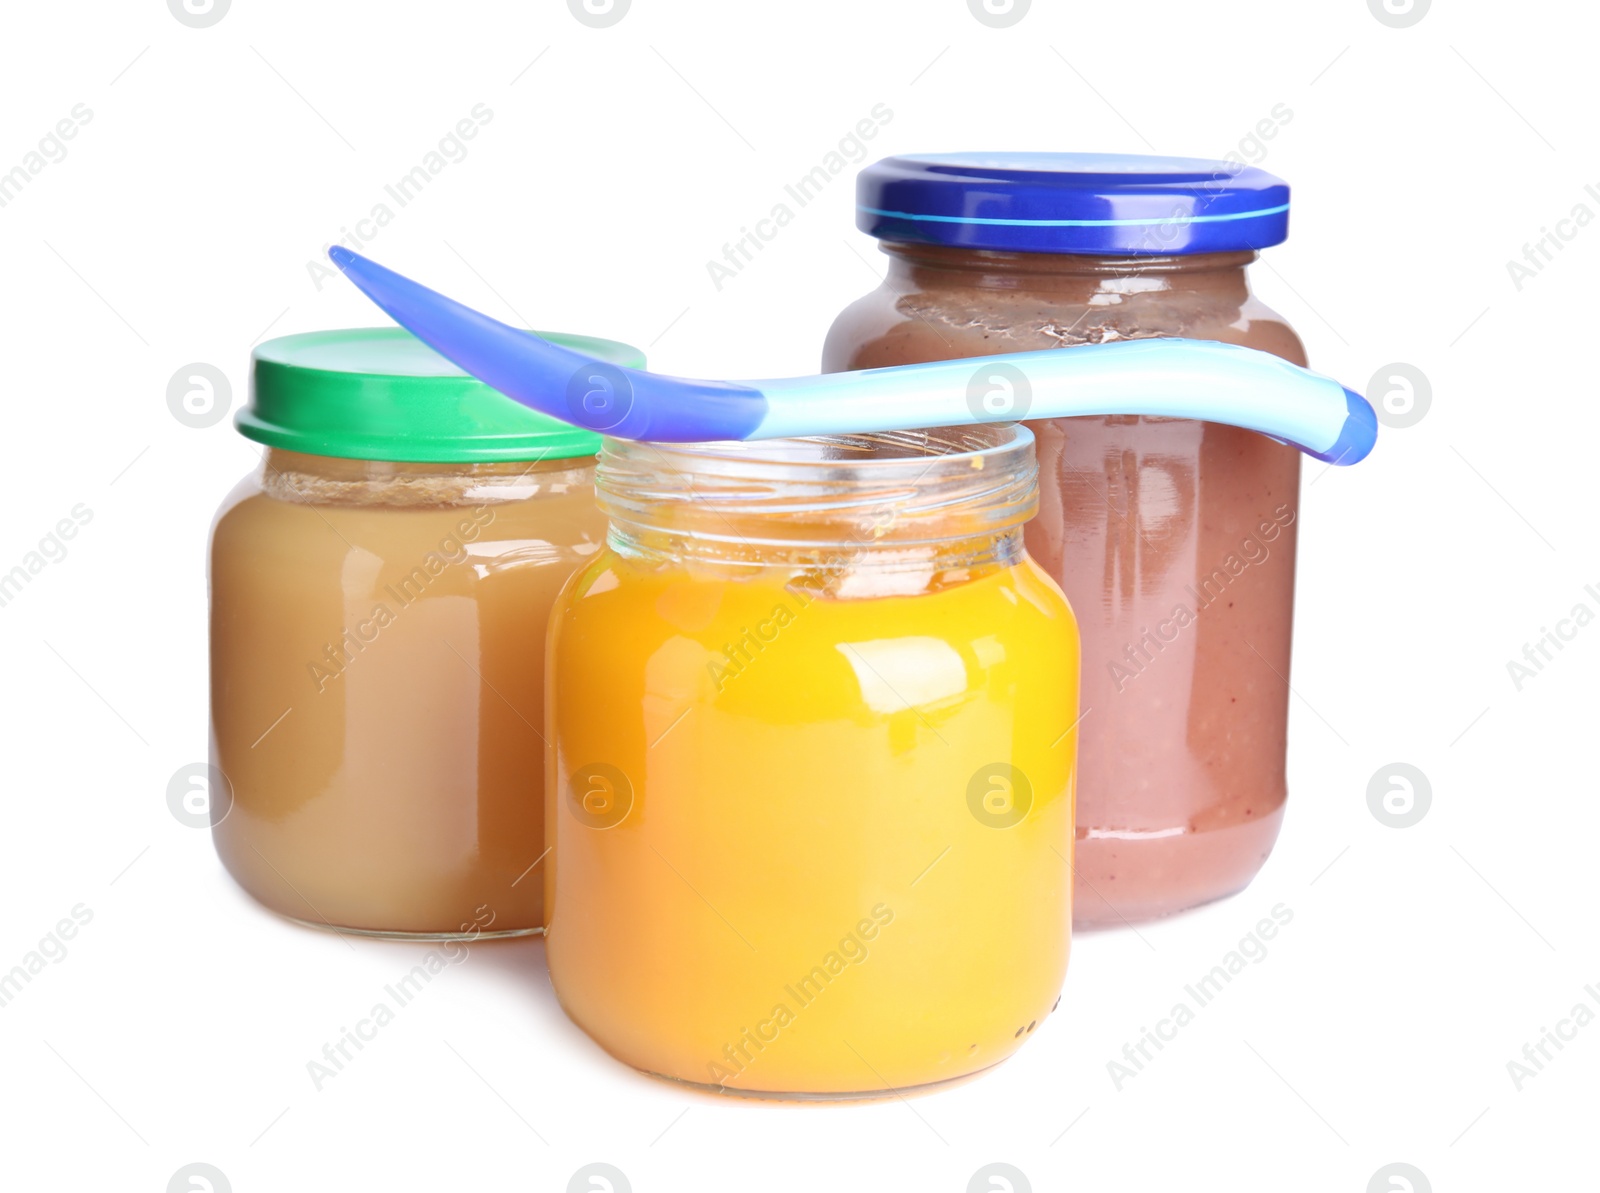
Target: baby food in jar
x: 380, y: 589
x: 1174, y: 539
x: 810, y: 795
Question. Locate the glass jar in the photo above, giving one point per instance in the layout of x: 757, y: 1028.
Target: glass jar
x: 1174, y: 540
x: 812, y: 764
x: 379, y: 593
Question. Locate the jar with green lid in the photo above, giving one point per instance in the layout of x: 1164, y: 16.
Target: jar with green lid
x: 379, y: 593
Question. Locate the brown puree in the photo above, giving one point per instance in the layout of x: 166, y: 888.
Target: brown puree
x: 377, y: 670
x: 1174, y: 541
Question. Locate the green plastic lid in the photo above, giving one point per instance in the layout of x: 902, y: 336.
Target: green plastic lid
x: 379, y: 393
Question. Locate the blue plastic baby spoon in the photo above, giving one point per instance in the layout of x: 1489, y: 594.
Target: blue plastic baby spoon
x: 1220, y: 383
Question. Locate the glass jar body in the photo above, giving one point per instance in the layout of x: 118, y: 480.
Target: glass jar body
x: 1174, y: 540
x: 811, y: 807
x: 377, y: 648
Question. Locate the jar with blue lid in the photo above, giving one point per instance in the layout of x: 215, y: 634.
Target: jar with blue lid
x: 1174, y: 540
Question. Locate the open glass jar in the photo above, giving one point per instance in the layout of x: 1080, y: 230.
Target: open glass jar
x: 1173, y: 539
x: 812, y: 764
x: 380, y: 587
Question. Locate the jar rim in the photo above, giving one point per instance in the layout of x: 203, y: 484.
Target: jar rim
x: 875, y: 449
x: 899, y: 487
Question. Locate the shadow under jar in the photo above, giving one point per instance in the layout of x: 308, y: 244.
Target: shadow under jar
x: 1173, y: 539
x: 811, y: 767
x: 380, y: 590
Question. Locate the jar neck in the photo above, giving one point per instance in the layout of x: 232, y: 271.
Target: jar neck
x: 845, y: 569
x: 841, y: 513
x: 1064, y: 276
x: 333, y: 480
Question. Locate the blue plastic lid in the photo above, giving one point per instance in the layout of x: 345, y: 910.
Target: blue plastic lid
x: 1110, y: 204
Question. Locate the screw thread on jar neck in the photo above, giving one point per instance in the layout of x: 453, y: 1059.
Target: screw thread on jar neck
x: 909, y: 501
x: 305, y: 479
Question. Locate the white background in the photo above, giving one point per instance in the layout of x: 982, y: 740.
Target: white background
x: 219, y: 162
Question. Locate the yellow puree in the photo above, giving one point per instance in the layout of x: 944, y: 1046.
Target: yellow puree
x: 798, y: 896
